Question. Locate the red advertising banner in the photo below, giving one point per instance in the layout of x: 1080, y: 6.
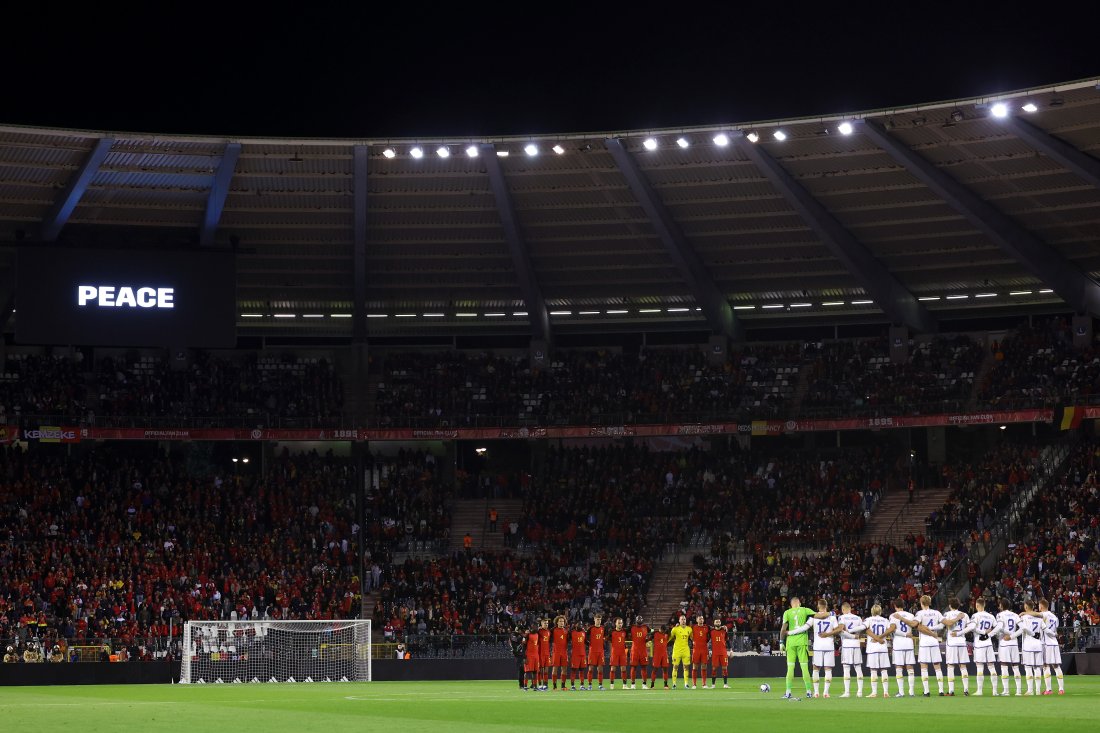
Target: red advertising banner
x: 755, y: 428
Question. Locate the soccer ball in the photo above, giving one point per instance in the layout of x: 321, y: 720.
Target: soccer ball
x: 765, y: 687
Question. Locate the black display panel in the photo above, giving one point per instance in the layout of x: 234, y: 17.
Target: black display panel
x: 125, y: 297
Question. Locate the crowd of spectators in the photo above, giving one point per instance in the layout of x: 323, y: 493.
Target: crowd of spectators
x: 125, y: 545
x: 981, y: 490
x: 1037, y: 365
x: 42, y: 385
x: 457, y: 388
x: 859, y: 377
x: 1058, y: 553
x: 753, y: 591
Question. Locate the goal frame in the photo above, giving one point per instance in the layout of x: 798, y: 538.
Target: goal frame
x: 361, y: 642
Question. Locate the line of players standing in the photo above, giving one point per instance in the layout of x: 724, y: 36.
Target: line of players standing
x: 1040, y: 658
x: 555, y: 654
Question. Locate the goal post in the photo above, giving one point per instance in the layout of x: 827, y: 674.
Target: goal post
x: 276, y: 651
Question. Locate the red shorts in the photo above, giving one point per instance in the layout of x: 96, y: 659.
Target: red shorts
x: 618, y: 657
x: 596, y: 658
x: 660, y: 661
x: 531, y: 664
x: 719, y: 660
x: 577, y: 662
x: 638, y: 660
x: 559, y: 659
x: 545, y: 661
x: 699, y: 656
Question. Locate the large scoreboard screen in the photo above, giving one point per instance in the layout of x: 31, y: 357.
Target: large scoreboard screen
x: 84, y: 296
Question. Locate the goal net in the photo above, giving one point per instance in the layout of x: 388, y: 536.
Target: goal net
x: 276, y: 651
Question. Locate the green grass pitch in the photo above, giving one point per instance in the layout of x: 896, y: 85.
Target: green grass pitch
x: 407, y: 707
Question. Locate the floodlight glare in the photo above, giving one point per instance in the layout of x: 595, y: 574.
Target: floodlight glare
x: 682, y: 142
x: 472, y: 151
x: 1000, y: 109
x: 779, y: 135
x: 389, y: 153
x: 416, y: 153
x: 650, y: 144
x: 1030, y: 107
x: 721, y: 139
x: 558, y: 149
x: 443, y: 151
x: 845, y: 128
x: 531, y: 149
x: 753, y: 137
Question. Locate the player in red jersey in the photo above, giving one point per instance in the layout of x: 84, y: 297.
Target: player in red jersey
x: 559, y: 660
x: 699, y: 633
x: 544, y: 653
x: 577, y: 660
x: 639, y: 635
x: 618, y: 652
x: 595, y: 649
x: 531, y: 660
x: 660, y: 655
x: 718, y: 657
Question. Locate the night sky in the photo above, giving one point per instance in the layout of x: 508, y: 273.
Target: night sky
x: 467, y: 70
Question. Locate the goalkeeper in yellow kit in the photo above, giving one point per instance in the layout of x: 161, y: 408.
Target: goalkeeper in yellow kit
x: 681, y: 649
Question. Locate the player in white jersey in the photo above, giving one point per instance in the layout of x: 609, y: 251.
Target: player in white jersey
x: 851, y: 655
x: 1052, y: 653
x: 931, y: 621
x: 1008, y: 648
x: 1032, y: 648
x: 984, y: 625
x: 902, y: 625
x: 957, y: 623
x: 878, y: 654
x: 825, y: 626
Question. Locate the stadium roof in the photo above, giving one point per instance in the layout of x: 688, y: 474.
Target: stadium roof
x: 918, y: 213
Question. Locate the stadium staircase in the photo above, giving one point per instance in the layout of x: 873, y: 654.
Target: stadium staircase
x: 895, y: 517
x: 800, y: 390
x: 472, y: 515
x: 666, y: 589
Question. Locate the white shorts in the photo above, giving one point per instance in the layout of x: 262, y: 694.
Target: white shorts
x: 878, y: 660
x: 825, y: 659
x: 903, y: 658
x: 1033, y: 659
x: 1052, y: 655
x: 929, y: 653
x: 984, y: 655
x: 1009, y: 653
x: 851, y: 655
x: 957, y: 655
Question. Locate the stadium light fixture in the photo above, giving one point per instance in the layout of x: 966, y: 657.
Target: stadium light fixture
x: 649, y: 310
x: 1004, y: 427
x: 417, y: 153
x: 252, y: 315
x: 957, y: 297
x: 779, y: 135
x: 389, y: 153
x: 677, y: 310
x: 561, y: 313
x: 313, y: 315
x: 929, y: 297
x: 285, y: 315
x: 863, y: 302
x: 472, y: 151
x: 650, y: 143
x: 801, y: 305
x: 481, y: 451
x: 1020, y: 292
x: 465, y: 315
x: 531, y: 149
x: 1045, y: 291
x: 588, y: 313
x: 371, y: 315
x: 558, y: 149
x: 1000, y: 109
x: 845, y: 128
x: 342, y: 315
x: 244, y: 460
x: 495, y: 315
x: 443, y: 151
x: 235, y: 459
x: 833, y: 302
x: 721, y: 139
x: 986, y: 295
x: 520, y: 314
x: 404, y: 315
x: 770, y: 306
x: 502, y: 153
x: 433, y: 315
x: 753, y: 137
x: 616, y: 312
x: 1030, y: 107
x: 682, y: 142
x: 744, y: 307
